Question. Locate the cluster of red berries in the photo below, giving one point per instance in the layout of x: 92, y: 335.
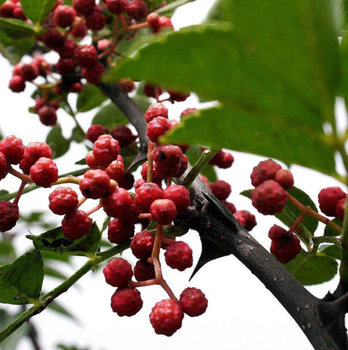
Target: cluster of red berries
x: 155, y: 91
x: 122, y: 133
x: 332, y: 201
x: 12, y: 9
x: 271, y: 182
x: 34, y: 160
x: 167, y: 315
x: 285, y: 245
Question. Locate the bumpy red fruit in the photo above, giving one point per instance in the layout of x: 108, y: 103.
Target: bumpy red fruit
x: 126, y: 301
x: 120, y: 231
x: 106, y: 149
x: 96, y: 20
x: 145, y: 195
x: 127, y: 85
x: 123, y: 135
x: 269, y: 197
x: 119, y: 204
x: 177, y: 95
x: 328, y: 199
x: 84, y: 7
x: 193, y: 302
x: 118, y: 272
x: 277, y: 233
x: 153, y: 90
x: 168, y: 159
x: 12, y: 148
x: 166, y: 317
x: 48, y: 116
x: 86, y: 56
x: 157, y: 127
x: 93, y: 74
x: 116, y: 6
x: 44, y: 172
x: 116, y: 169
x: 156, y: 110
x: 53, y: 39
x: 230, y: 206
x: 136, y: 9
x: 32, y: 153
x: 143, y: 271
x: 16, y: 84
x: 63, y: 200
x: 163, y: 211
x: 76, y: 224
x: 65, y: 66
x: 29, y: 72
x: 142, y: 244
x: 79, y: 31
x: 286, y: 249
x: 64, y: 16
x: 127, y: 181
x: 95, y: 131
x: 250, y: 220
x: 179, y: 195
x: 265, y: 170
x: 221, y: 189
x: 284, y: 178
x: 91, y: 161
x: 67, y: 49
x: 9, y: 215
x: 163, y: 22
x: 3, y: 166
x: 340, y: 209
x: 178, y: 256
x: 95, y: 184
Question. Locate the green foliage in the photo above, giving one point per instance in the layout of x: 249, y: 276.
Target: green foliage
x: 333, y: 250
x: 110, y: 117
x: 37, y: 10
x: 89, y: 98
x: 58, y: 143
x: 55, y: 241
x: 21, y: 280
x: 16, y: 28
x: 7, y: 251
x: 312, y: 269
x: 330, y: 231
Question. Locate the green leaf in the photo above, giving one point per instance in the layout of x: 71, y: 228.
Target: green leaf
x: 333, y: 250
x: 14, y: 49
x: 193, y: 154
x: 266, y: 135
x: 330, y: 231
x: 16, y: 28
x: 312, y: 269
x: 37, y: 10
x: 55, y: 241
x: 22, y: 279
x: 58, y: 143
x: 78, y: 135
x: 89, y: 98
x: 110, y: 117
x: 7, y: 251
x: 290, y: 213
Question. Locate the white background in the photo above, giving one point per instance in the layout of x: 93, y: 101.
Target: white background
x: 241, y: 314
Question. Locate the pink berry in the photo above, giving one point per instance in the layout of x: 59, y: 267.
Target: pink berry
x: 179, y: 195
x: 106, y: 149
x: 328, y: 199
x: 168, y: 159
x: 230, y: 206
x: 286, y: 249
x: 64, y: 16
x: 156, y: 110
x: 120, y: 231
x: 95, y: 184
x: 157, y: 176
x: 79, y: 31
x: 177, y: 95
x: 127, y: 85
x: 284, y: 178
x: 340, y: 209
x: 44, y: 172
x: 48, y: 116
x: 116, y: 169
x: 84, y: 7
x: 142, y: 244
x: 118, y: 272
x: 119, y: 204
x: 265, y: 170
x: 136, y: 9
x: 32, y: 153
x: 269, y: 197
x: 151, y: 90
x: 12, y: 148
x: 29, y: 72
x: 157, y: 127
x: 86, y: 56
x: 63, y: 200
x: 116, y: 6
x: 67, y: 49
x: 53, y: 39
x: 144, y: 271
x: 193, y: 302
x: 9, y: 215
x: 3, y: 166
x: 95, y: 131
x: 94, y: 74
x: 96, y: 20
x: 145, y: 195
x: 277, y: 233
x: 178, y: 256
x: 127, y: 181
x: 221, y: 189
x: 123, y: 135
x: 126, y: 301
x: 163, y: 211
x: 166, y: 317
x: 76, y: 224
x: 17, y: 84
x: 250, y: 220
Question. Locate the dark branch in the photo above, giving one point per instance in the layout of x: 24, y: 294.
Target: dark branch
x: 322, y: 321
